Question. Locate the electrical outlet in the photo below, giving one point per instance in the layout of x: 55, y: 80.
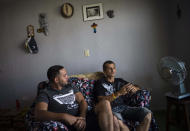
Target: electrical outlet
x: 87, y: 52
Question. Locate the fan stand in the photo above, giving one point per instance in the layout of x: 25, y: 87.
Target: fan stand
x: 180, y: 94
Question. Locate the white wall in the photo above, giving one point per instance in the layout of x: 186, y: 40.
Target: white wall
x: 136, y: 38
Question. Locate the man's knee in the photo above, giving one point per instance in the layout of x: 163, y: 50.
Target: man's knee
x: 116, y: 123
x: 103, y: 105
x: 148, y: 117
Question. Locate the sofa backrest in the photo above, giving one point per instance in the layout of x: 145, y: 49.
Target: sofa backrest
x: 85, y: 84
x: 90, y: 76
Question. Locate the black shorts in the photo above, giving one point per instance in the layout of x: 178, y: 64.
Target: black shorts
x: 92, y: 121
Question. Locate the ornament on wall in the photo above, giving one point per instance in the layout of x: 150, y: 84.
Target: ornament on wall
x: 94, y: 25
x: 43, y: 24
x: 178, y: 12
x: 30, y: 43
x: 30, y: 30
x: 110, y: 13
x: 93, y: 12
x: 67, y: 10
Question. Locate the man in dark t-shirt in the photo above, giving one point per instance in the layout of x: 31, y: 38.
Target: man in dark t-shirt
x: 60, y: 101
x: 106, y: 88
x: 113, y: 89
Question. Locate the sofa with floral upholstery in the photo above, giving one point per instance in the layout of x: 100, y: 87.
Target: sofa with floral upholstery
x: 85, y: 84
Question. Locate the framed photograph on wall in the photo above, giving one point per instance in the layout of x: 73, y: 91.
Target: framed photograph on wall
x: 92, y: 12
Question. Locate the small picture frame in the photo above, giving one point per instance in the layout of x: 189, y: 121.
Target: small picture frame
x: 92, y: 12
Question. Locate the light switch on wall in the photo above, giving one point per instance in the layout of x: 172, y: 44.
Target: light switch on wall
x: 87, y: 52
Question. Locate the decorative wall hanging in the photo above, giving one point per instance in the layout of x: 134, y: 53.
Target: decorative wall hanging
x: 110, y: 13
x: 67, y: 10
x: 43, y: 24
x: 30, y: 43
x: 94, y: 25
x: 93, y: 12
x: 178, y: 12
x: 30, y: 30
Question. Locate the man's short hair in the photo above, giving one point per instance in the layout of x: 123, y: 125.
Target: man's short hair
x: 107, y: 62
x: 53, y: 71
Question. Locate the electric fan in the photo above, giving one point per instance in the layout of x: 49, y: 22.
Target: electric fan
x: 173, y: 71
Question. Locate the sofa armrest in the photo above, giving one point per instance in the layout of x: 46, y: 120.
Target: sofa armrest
x: 141, y: 98
x: 42, y: 85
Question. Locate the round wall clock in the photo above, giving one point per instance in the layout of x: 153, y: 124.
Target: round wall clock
x: 67, y: 10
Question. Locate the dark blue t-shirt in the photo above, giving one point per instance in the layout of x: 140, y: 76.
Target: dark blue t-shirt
x: 105, y: 88
x: 60, y: 101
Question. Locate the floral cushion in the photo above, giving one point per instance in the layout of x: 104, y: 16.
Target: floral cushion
x: 85, y: 86
x: 32, y: 125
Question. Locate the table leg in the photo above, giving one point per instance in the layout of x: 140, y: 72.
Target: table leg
x: 186, y: 113
x: 168, y: 115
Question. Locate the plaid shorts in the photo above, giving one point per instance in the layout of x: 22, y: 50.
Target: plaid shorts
x: 124, y: 112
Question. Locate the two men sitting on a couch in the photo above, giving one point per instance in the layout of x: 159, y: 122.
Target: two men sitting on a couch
x: 64, y: 103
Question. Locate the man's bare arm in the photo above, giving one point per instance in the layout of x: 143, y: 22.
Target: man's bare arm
x: 42, y: 114
x: 132, y: 88
x: 82, y: 104
x: 128, y: 88
x: 81, y: 122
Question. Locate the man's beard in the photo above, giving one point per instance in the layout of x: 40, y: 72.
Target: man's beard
x: 63, y: 84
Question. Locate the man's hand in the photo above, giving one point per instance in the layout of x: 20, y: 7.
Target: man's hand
x: 128, y: 88
x: 80, y: 124
x: 131, y: 88
x: 70, y: 119
x: 123, y: 90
